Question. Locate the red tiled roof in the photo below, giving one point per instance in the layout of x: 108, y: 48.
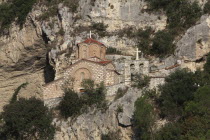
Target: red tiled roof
x: 90, y: 40
x: 104, y: 62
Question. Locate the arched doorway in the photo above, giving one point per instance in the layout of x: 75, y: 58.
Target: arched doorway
x: 79, y: 76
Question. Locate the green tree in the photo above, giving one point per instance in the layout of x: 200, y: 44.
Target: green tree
x: 12, y: 10
x: 178, y: 89
x: 27, y: 119
x: 162, y: 43
x: 71, y: 104
x: 88, y: 84
x: 96, y: 96
x: 144, y: 118
x: 140, y: 81
x: 171, y: 131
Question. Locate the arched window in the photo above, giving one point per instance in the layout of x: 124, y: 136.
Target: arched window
x: 132, y: 66
x: 82, y: 76
x: 141, y: 67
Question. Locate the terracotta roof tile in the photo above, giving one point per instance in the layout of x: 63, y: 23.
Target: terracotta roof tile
x: 104, y: 62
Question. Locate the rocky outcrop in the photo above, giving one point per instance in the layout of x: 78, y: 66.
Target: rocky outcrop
x: 15, y: 45
x: 93, y: 124
x: 195, y: 43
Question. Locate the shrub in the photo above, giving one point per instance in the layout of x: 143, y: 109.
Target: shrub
x: 119, y: 109
x: 127, y: 31
x: 88, y: 84
x: 100, y: 28
x: 206, y: 9
x: 140, y: 81
x: 27, y: 119
x: 15, y: 9
x: 171, y: 131
x: 70, y: 104
x: 181, y: 13
x: 161, y: 4
x: 185, y: 105
x: 144, y: 118
x: 96, y: 96
x: 112, y: 50
x: 162, y: 43
x: 178, y: 89
x: 195, y: 122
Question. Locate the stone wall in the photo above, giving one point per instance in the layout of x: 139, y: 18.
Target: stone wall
x: 53, y: 90
x: 139, y: 67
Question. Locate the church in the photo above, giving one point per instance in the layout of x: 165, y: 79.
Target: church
x: 89, y: 63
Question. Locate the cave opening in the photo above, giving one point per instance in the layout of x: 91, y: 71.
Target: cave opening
x: 49, y: 72
x: 45, y: 38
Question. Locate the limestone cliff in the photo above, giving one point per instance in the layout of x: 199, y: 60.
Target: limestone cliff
x: 22, y: 49
x: 92, y: 125
x: 23, y: 55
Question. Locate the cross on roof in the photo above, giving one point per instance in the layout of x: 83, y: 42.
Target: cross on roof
x: 137, y: 53
x: 90, y: 34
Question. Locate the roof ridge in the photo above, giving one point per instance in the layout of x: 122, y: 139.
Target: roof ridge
x: 91, y: 40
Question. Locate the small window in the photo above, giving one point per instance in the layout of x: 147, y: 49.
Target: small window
x: 82, y: 76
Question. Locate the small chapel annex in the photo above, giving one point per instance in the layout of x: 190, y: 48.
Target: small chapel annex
x: 89, y: 63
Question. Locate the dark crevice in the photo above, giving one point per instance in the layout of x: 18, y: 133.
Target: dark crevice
x: 59, y: 17
x: 45, y: 38
x: 49, y: 72
x: 202, y: 59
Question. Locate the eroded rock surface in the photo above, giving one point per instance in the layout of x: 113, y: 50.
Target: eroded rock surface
x: 91, y: 125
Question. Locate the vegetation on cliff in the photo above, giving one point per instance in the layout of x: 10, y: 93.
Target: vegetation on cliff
x: 184, y: 101
x: 26, y: 119
x: 72, y: 104
x: 181, y: 15
x: 15, y: 10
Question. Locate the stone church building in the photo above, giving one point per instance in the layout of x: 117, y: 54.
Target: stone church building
x: 89, y: 63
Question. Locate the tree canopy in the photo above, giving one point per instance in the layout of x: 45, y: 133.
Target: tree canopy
x: 27, y: 119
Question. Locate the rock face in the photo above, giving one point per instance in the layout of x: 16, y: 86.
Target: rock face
x: 91, y: 125
x: 15, y: 47
x: 23, y: 56
x: 195, y: 43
